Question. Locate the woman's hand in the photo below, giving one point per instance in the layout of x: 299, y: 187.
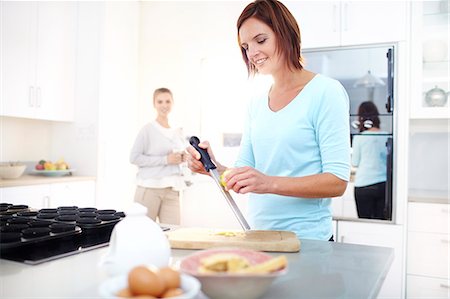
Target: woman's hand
x: 175, y: 158
x: 247, y: 179
x: 193, y: 158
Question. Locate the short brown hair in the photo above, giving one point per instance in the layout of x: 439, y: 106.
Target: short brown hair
x: 161, y: 90
x: 275, y: 15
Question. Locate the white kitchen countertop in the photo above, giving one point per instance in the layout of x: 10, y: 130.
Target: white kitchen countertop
x: 321, y: 269
x: 29, y: 179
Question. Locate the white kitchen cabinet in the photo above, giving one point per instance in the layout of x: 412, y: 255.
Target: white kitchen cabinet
x: 378, y: 234
x: 366, y: 22
x: 428, y: 250
x: 53, y: 195
x: 421, y: 262
x: 38, y: 41
x: 430, y: 58
x: 319, y: 22
x: 338, y: 23
x: 424, y: 287
x: 428, y: 217
x: 81, y: 194
x: 35, y: 196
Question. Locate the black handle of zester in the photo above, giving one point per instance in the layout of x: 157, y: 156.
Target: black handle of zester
x: 204, y: 156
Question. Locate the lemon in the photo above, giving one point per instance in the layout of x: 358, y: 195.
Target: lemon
x: 222, y: 177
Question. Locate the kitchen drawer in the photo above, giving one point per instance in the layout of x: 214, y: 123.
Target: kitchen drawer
x: 428, y: 254
x: 426, y: 287
x: 36, y: 196
x: 80, y: 194
x: 428, y: 217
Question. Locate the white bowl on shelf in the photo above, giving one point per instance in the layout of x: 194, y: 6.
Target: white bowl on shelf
x: 11, y: 170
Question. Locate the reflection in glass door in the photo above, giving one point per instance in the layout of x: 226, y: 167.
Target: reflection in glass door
x: 367, y: 74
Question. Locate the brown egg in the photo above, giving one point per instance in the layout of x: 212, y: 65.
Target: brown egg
x: 170, y: 277
x: 124, y: 293
x: 143, y: 281
x: 172, y: 293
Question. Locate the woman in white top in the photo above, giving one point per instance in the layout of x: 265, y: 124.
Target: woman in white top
x: 158, y: 152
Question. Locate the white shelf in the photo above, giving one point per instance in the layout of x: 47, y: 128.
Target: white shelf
x: 436, y: 80
x: 431, y: 24
x: 431, y: 112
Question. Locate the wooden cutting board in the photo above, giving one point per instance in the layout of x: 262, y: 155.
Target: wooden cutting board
x: 263, y: 240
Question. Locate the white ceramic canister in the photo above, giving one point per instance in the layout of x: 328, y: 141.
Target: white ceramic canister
x: 136, y: 240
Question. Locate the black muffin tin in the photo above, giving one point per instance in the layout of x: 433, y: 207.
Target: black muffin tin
x: 34, y: 236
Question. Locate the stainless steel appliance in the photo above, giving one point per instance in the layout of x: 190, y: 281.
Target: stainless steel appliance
x: 367, y: 74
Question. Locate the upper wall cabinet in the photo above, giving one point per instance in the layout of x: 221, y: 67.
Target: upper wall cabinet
x: 337, y: 23
x: 38, y: 43
x: 430, y: 77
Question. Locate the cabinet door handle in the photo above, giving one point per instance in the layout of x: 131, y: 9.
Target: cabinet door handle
x: 390, y: 80
x: 46, y: 201
x: 444, y: 285
x: 38, y: 97
x: 335, y: 17
x: 345, y: 16
x: 30, y: 96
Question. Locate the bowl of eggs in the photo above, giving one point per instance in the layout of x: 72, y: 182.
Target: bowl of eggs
x: 233, y: 273
x: 151, y: 282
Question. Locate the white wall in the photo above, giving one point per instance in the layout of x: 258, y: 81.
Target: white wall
x: 118, y: 97
x: 24, y: 139
x: 197, y: 56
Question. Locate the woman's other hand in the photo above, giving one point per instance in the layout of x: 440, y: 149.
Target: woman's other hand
x: 247, y: 179
x: 175, y: 158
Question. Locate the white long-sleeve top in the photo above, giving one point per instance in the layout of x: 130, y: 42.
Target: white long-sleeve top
x: 149, y: 153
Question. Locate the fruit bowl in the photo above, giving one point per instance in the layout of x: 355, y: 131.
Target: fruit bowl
x: 11, y: 170
x: 231, y: 285
x: 54, y: 172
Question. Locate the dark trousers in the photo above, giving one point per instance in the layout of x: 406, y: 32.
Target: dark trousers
x: 370, y: 201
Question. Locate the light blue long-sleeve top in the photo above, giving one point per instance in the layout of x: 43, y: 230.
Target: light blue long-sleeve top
x: 369, y: 156
x: 311, y: 135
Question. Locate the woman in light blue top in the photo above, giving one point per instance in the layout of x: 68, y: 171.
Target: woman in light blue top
x: 295, y: 149
x: 369, y: 156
